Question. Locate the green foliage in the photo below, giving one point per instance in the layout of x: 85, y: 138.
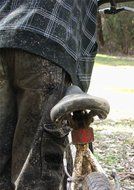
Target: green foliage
x: 113, y: 60
x: 118, y: 31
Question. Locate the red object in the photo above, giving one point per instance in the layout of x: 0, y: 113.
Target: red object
x: 82, y: 136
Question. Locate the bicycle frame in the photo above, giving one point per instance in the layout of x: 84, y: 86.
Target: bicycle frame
x: 85, y: 162
x: 70, y: 108
x: 100, y: 2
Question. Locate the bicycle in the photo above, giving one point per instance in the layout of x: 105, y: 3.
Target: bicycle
x: 70, y: 108
x: 79, y: 109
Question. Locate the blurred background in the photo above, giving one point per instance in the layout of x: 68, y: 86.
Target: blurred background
x: 113, y: 79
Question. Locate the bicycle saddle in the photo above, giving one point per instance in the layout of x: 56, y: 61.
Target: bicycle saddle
x: 76, y: 100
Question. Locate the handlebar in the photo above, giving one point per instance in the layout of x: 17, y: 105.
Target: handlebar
x: 100, y: 2
x: 113, y: 8
x: 116, y: 10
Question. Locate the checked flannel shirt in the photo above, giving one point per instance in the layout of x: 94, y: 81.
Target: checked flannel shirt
x: 62, y: 31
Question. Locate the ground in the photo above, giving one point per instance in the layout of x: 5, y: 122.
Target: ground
x: 114, y: 137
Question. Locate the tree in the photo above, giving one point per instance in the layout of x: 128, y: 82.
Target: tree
x: 118, y: 32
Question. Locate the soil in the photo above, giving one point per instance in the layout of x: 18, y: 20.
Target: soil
x: 114, y: 149
x: 114, y: 137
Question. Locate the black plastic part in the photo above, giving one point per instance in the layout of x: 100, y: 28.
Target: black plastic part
x: 76, y: 100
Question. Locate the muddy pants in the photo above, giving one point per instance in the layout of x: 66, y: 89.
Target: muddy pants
x: 31, y: 146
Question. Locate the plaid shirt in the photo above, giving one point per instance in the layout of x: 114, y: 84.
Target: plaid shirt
x: 66, y: 28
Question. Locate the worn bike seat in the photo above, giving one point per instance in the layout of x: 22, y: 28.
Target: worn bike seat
x: 76, y: 100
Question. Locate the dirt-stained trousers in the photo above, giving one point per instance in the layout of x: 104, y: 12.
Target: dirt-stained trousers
x: 31, y: 146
